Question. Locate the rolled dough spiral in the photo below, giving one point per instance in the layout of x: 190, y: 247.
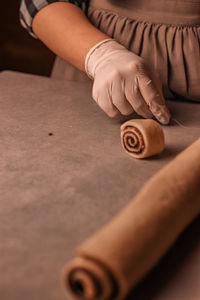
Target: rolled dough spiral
x: 111, y: 261
x: 142, y: 138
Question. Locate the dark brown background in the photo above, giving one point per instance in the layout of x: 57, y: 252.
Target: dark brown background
x: 18, y: 50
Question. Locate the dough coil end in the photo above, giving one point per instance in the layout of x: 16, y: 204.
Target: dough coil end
x: 88, y: 280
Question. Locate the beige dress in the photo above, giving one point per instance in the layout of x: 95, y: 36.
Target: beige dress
x: 166, y: 33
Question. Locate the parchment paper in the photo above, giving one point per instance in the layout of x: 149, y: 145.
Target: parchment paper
x: 63, y: 174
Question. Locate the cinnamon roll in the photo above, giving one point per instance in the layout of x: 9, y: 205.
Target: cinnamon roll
x: 142, y: 138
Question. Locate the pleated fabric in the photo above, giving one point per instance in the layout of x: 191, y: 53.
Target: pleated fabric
x: 172, y: 50
x: 172, y: 47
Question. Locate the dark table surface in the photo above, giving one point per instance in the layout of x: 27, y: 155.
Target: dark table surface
x: 63, y: 174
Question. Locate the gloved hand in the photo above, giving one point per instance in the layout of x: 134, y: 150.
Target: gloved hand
x: 124, y: 83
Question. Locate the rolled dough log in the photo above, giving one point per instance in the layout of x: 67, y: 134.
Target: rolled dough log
x: 142, y: 138
x: 115, y: 258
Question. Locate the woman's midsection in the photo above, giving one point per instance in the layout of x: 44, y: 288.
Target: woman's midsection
x: 174, y: 12
x: 166, y: 33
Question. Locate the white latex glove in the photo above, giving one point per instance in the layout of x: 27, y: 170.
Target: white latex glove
x: 124, y: 83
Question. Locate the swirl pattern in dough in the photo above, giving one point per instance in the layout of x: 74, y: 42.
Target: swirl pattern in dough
x: 142, y: 138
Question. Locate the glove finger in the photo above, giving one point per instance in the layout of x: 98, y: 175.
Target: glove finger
x: 154, y: 98
x: 158, y: 83
x: 119, y: 99
x: 132, y: 93
x: 104, y: 101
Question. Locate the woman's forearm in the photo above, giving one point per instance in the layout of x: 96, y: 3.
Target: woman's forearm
x: 123, y: 82
x: 64, y: 28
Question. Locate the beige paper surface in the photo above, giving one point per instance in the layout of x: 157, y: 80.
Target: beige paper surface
x: 57, y: 190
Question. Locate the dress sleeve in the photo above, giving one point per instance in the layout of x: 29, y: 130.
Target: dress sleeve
x: 29, y: 8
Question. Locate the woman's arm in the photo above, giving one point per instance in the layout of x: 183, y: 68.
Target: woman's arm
x: 123, y: 82
x: 64, y: 28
